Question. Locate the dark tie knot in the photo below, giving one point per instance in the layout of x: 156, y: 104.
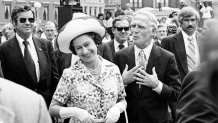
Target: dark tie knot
x: 121, y: 46
x: 25, y: 43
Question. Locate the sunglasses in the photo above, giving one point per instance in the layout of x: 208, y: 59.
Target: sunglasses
x: 23, y: 20
x: 122, y: 28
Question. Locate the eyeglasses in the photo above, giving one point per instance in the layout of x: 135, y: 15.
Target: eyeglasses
x: 23, y: 20
x: 122, y: 28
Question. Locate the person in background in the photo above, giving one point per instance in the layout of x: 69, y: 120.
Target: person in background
x: 180, y: 43
x: 50, y: 33
x: 21, y: 105
x: 28, y: 60
x: 121, y: 31
x: 149, y: 73
x: 92, y: 88
x: 8, y: 32
x: 108, y: 24
x: 101, y: 18
x: 198, y: 100
x: 206, y: 12
x: 118, y: 11
x: 128, y: 11
x: 161, y: 33
x: 184, y: 45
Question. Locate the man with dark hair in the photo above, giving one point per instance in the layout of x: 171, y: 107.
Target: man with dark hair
x: 121, y: 32
x: 28, y: 60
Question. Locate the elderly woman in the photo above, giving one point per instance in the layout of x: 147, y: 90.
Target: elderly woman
x: 92, y: 88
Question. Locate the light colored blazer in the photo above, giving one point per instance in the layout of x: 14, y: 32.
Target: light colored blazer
x: 21, y: 105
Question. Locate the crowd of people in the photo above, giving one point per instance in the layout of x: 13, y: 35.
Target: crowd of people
x: 133, y: 68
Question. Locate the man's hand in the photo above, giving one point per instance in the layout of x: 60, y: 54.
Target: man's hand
x: 145, y: 79
x: 128, y: 76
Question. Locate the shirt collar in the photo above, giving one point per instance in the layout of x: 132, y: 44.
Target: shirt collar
x: 146, y: 50
x: 116, y: 44
x: 20, y: 40
x: 185, y: 36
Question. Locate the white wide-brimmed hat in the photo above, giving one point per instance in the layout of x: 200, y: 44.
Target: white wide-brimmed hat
x: 76, y: 27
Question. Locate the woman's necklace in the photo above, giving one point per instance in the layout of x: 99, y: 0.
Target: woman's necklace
x: 97, y: 70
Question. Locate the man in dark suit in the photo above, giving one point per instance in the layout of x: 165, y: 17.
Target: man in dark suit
x: 179, y: 43
x: 121, y: 31
x: 198, y: 100
x: 27, y: 60
x: 152, y: 79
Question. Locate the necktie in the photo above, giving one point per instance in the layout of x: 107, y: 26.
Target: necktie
x: 121, y: 46
x: 191, y: 54
x: 29, y: 62
x: 142, y: 61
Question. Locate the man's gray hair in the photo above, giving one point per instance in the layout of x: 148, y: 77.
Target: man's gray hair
x: 151, y: 17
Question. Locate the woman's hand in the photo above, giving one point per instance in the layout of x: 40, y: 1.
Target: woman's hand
x: 113, y: 115
x: 78, y: 113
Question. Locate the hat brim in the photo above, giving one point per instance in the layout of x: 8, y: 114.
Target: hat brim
x: 75, y: 28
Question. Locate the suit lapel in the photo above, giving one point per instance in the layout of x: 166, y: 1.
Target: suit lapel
x: 153, y: 61
x: 111, y: 44
x: 17, y: 57
x: 180, y: 51
x: 131, y: 56
x: 40, y: 49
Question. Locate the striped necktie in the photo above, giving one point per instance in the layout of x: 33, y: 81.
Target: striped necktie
x: 191, y: 54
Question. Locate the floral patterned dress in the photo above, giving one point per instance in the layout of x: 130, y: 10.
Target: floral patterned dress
x: 78, y: 88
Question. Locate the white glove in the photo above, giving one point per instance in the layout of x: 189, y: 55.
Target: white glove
x: 81, y: 114
x: 113, y: 114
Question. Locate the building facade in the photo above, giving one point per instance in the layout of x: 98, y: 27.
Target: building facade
x: 47, y: 10
x: 93, y: 7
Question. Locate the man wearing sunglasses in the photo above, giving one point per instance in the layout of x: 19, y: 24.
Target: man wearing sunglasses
x: 28, y: 60
x: 121, y: 31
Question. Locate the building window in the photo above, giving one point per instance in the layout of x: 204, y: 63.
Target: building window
x: 56, y: 14
x: 85, y: 9
x: 95, y: 11
x: 7, y: 11
x: 131, y: 3
x: 135, y: 3
x: 140, y: 3
x: 100, y: 10
x: 90, y: 10
x: 45, y: 13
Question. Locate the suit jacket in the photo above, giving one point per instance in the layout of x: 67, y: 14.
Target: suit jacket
x: 112, y: 49
x: 145, y: 105
x: 157, y: 43
x: 21, y: 105
x: 196, y: 103
x: 14, y: 68
x: 176, y: 45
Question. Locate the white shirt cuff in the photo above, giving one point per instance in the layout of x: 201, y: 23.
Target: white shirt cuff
x: 158, y: 89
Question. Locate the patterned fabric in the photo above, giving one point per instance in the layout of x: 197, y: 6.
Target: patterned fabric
x: 78, y: 88
x: 142, y: 61
x: 191, y: 54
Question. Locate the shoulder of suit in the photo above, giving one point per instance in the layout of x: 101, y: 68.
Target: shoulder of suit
x: 164, y: 52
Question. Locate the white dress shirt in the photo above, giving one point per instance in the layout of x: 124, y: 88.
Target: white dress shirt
x: 32, y: 50
x: 147, y: 52
x: 186, y: 41
x: 116, y: 45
